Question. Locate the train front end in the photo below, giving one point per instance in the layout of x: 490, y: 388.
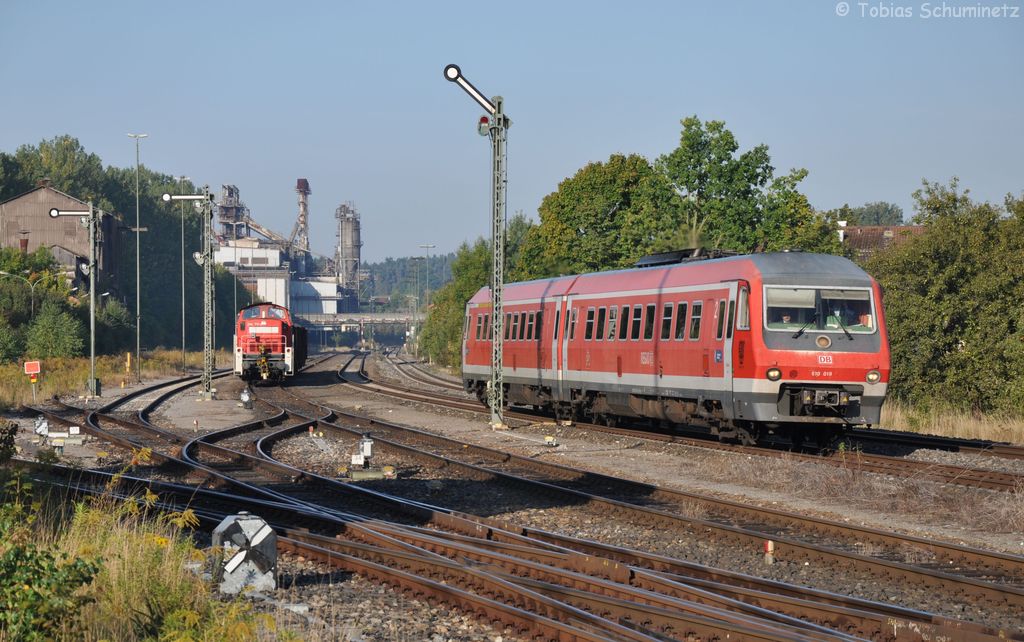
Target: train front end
x: 264, y: 348
x: 822, y: 359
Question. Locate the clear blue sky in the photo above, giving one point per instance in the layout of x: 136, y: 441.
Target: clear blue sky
x: 351, y: 96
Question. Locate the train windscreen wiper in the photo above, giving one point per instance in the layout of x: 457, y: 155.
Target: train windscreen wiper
x: 839, y: 320
x: 814, y: 317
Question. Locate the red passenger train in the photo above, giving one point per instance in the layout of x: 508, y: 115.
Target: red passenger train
x: 785, y: 343
x: 268, y: 344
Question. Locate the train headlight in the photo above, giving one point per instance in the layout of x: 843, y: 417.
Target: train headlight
x: 773, y: 374
x: 873, y: 376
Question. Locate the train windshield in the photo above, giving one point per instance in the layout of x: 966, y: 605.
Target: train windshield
x: 820, y: 309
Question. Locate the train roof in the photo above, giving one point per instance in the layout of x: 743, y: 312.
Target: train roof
x: 781, y: 268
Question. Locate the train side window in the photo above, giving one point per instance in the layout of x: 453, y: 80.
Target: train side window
x: 572, y: 323
x: 508, y: 325
x: 558, y: 317
x: 649, y: 322
x: 515, y: 325
x: 589, y: 334
x: 729, y: 320
x: 624, y: 323
x: 666, y: 322
x: 601, y: 313
x: 529, y: 327
x: 698, y: 310
x: 721, y: 319
x: 486, y: 332
x: 522, y: 326
x: 465, y: 328
x: 635, y: 332
x: 612, y: 318
x: 743, y: 310
x: 680, y: 320
x: 538, y: 330
x: 479, y: 324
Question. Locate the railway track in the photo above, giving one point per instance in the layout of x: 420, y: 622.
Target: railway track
x: 664, y: 602
x: 988, y: 479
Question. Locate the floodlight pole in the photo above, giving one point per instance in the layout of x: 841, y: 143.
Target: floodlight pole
x: 497, y: 129
x: 204, y: 258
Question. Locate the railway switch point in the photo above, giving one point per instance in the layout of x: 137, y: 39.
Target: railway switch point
x: 249, y: 554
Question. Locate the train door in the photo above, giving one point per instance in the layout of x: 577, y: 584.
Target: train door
x: 727, y: 334
x: 565, y: 334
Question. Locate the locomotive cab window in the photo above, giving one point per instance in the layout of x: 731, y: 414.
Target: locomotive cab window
x: 721, y: 319
x: 820, y: 309
x: 743, y: 310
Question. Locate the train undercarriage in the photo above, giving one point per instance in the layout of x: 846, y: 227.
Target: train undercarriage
x: 813, y: 416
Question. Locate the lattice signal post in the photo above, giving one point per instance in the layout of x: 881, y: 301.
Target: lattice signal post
x: 496, y: 126
x: 204, y: 202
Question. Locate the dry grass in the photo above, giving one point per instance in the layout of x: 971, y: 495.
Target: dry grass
x: 148, y: 586
x: 69, y: 376
x: 952, y: 423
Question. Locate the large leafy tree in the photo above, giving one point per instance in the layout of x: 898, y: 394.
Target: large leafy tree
x: 876, y: 213
x: 952, y: 299
x: 732, y: 199
x: 605, y: 216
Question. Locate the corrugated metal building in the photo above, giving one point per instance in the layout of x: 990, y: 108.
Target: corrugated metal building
x: 25, y: 223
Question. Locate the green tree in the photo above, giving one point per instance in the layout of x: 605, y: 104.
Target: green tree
x: 952, y: 300
x: 11, y: 344
x: 441, y: 337
x: 55, y: 332
x: 115, y: 328
x: 731, y: 199
x: 65, y: 162
x: 875, y: 213
x: 605, y: 216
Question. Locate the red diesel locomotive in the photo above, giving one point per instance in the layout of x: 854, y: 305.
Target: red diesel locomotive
x: 268, y: 344
x: 784, y: 343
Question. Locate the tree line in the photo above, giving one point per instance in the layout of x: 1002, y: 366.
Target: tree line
x: 952, y: 294
x: 59, y: 326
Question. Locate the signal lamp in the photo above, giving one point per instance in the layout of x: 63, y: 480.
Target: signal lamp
x: 873, y: 376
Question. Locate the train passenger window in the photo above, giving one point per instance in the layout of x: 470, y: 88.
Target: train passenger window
x: 649, y: 323
x: 508, y: 325
x: 680, y: 320
x: 589, y: 334
x: 529, y: 327
x: 515, y: 326
x: 539, y: 328
x: 601, y: 312
x: 487, y: 327
x: 624, y: 323
x: 732, y: 309
x: 698, y: 310
x: 572, y: 323
x: 743, y: 310
x: 465, y: 328
x: 612, y: 317
x: 558, y: 317
x: 635, y: 332
x: 666, y: 321
x: 479, y: 324
x: 721, y: 319
x: 522, y: 326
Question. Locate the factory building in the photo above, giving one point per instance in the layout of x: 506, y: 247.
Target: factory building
x: 25, y: 223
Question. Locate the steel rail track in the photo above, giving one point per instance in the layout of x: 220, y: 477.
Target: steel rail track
x: 635, y: 595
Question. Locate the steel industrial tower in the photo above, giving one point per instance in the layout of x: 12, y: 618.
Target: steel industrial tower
x: 347, y: 252
x: 300, y: 235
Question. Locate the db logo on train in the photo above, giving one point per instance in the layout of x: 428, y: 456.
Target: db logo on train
x: 825, y: 359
